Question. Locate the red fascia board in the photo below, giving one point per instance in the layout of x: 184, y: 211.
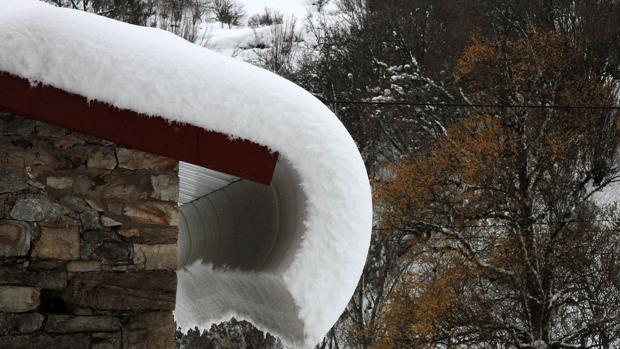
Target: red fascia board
x: 155, y: 135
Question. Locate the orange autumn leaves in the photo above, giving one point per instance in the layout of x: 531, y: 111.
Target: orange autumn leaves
x: 488, y: 166
x: 466, y: 160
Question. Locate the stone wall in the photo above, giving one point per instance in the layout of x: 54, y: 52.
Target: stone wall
x: 88, y: 236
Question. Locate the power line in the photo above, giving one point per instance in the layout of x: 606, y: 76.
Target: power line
x: 470, y: 105
x: 401, y: 239
x: 420, y: 228
x: 553, y: 222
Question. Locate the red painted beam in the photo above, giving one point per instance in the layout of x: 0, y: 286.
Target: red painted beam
x: 155, y: 135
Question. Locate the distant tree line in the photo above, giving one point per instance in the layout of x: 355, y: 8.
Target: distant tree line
x: 488, y: 235
x: 181, y: 17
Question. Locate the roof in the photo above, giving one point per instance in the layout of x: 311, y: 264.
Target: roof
x: 155, y: 74
x: 187, y: 143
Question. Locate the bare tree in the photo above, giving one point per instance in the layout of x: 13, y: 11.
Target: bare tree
x: 279, y: 53
x: 509, y: 248
x: 227, y: 12
x: 181, y: 17
x: 267, y: 17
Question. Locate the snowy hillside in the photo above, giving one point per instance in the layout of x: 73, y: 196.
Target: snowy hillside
x: 244, y: 41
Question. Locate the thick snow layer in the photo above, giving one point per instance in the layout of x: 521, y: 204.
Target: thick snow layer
x: 156, y: 73
x: 262, y: 294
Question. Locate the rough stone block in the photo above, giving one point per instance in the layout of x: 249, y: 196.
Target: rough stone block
x: 137, y: 160
x: 84, y: 186
x: 74, y: 203
x: 32, y: 209
x: 124, y: 188
x: 73, y: 341
x: 129, y: 232
x: 49, y: 130
x: 150, y: 331
x: 28, y: 322
x: 104, y: 345
x: 6, y: 204
x: 14, y: 238
x: 165, y: 188
x: 59, y: 182
x: 17, y: 299
x: 67, y: 142
x: 136, y: 291
x: 112, y: 252
x: 12, y: 125
x: 94, y: 204
x: 159, y: 235
x: 106, y: 340
x: 155, y: 257
x: 16, y: 323
x: 153, y: 212
x: 41, y: 160
x: 115, y: 208
x: 60, y: 216
x: 90, y: 220
x: 47, y: 264
x: 51, y: 279
x: 109, y: 222
x: 10, y: 183
x: 92, y: 240
x: 58, y: 243
x: 93, y: 246
x: 68, y: 324
x: 102, y: 158
x: 83, y: 266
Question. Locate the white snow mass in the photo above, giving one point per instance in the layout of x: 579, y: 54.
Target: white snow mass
x: 158, y: 74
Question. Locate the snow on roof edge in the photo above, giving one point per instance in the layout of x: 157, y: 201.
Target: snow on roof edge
x: 156, y: 73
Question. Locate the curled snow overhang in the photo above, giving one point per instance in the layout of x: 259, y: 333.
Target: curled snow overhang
x: 285, y: 254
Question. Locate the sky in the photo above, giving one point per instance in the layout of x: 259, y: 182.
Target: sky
x: 294, y: 7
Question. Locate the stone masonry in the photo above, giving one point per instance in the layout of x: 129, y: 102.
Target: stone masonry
x: 88, y: 233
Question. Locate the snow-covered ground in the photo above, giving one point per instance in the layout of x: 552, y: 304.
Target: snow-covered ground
x: 611, y: 195
x: 243, y: 42
x: 234, y: 42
